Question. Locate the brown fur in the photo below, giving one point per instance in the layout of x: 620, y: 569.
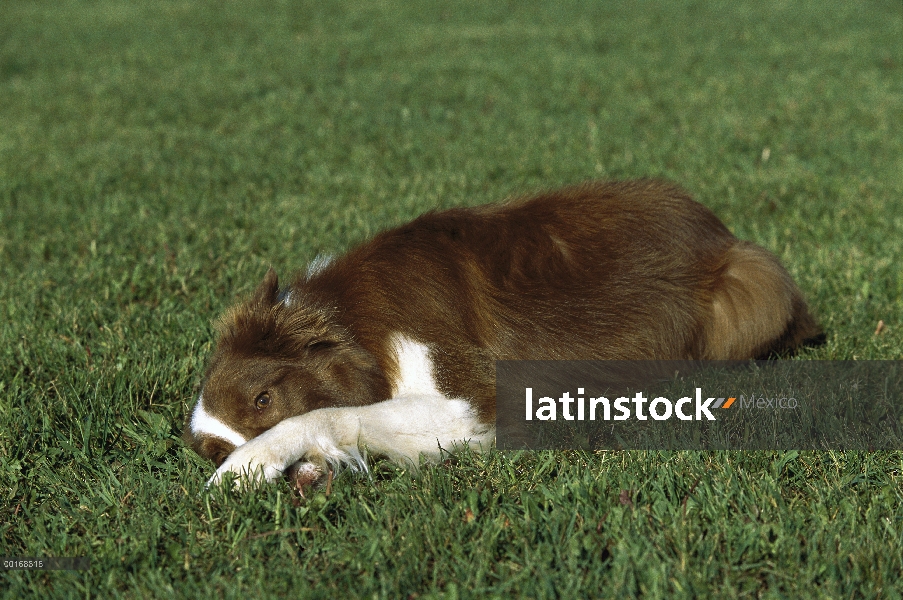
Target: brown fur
x: 628, y: 270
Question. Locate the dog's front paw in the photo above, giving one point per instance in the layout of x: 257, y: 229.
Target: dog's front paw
x: 250, y: 464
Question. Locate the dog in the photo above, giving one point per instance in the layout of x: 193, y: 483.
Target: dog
x: 390, y: 348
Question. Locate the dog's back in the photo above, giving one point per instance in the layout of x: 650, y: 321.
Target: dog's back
x: 628, y: 270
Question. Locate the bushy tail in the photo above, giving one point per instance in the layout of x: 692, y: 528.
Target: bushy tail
x: 757, y: 309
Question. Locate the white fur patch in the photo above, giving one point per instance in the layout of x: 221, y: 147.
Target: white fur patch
x: 285, y: 297
x: 415, y: 369
x: 318, y: 264
x: 406, y: 428
x: 203, y: 423
x: 417, y: 422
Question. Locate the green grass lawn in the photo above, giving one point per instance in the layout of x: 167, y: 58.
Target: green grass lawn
x: 157, y: 157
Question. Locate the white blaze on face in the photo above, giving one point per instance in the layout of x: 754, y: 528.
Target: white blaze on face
x: 203, y: 423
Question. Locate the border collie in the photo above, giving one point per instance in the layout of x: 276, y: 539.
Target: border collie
x: 391, y: 348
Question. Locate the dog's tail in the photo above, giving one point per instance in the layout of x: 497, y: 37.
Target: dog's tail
x: 757, y: 310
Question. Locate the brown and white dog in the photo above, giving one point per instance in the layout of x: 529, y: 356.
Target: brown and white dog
x: 391, y: 347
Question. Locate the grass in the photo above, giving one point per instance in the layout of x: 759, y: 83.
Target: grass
x: 155, y: 158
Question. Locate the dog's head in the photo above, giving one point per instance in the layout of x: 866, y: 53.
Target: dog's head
x: 278, y: 355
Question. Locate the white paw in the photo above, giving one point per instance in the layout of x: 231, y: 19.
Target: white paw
x: 250, y: 463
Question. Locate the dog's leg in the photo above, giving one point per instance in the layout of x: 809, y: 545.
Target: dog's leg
x: 402, y: 429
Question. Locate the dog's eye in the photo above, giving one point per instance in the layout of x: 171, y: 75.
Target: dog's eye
x: 318, y: 345
x: 262, y: 401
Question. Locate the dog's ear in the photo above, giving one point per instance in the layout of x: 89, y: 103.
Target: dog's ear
x: 268, y: 290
